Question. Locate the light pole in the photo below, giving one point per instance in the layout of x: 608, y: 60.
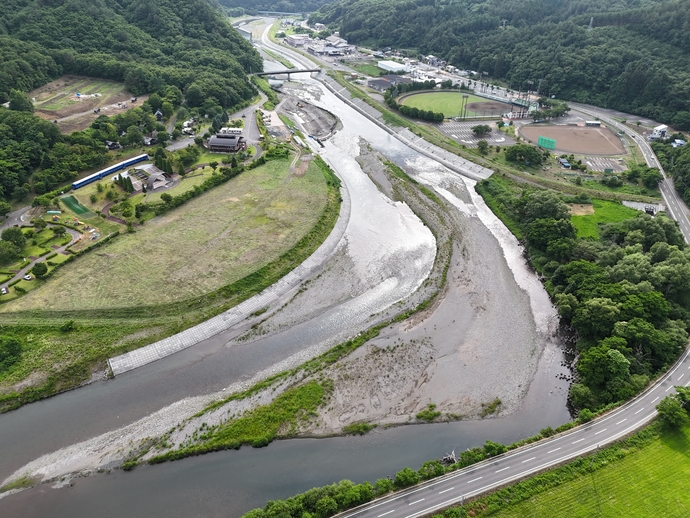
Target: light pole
x: 464, y: 98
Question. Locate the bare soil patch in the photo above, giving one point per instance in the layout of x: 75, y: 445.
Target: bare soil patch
x: 577, y: 139
x: 488, y: 107
x: 581, y: 209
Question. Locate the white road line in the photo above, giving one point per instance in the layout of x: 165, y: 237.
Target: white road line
x: 416, y: 501
x: 446, y: 490
x: 679, y: 377
x: 384, y: 514
x: 553, y: 450
x: 688, y: 383
x: 619, y: 422
x: 474, y: 480
x: 640, y: 410
x: 502, y: 469
x: 579, y: 440
x: 669, y: 388
x: 655, y: 399
x: 531, y: 459
x: 600, y: 431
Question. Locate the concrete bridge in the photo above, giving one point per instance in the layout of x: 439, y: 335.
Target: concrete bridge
x: 287, y: 72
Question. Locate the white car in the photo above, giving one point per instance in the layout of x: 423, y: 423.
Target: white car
x: 28, y: 277
x: 3, y: 291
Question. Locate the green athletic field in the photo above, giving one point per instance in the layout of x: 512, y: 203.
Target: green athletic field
x: 448, y: 103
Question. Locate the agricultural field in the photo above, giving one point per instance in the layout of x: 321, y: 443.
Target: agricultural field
x: 57, y: 100
x: 212, y: 241
x: 451, y: 102
x: 586, y: 218
x: 649, y: 482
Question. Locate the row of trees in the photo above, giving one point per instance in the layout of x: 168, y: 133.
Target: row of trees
x: 627, y: 294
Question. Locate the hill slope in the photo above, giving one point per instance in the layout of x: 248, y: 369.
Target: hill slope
x: 147, y: 44
x: 635, y: 57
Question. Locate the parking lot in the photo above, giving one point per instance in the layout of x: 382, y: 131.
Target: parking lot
x: 462, y: 132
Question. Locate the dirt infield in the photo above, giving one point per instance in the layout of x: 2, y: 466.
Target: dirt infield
x: 577, y: 139
x: 488, y: 108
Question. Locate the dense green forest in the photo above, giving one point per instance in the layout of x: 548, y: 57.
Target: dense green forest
x: 240, y: 7
x: 171, y: 48
x: 676, y: 162
x: 148, y: 44
x: 635, y: 58
x: 626, y: 294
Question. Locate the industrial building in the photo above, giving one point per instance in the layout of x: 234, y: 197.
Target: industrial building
x: 393, y: 66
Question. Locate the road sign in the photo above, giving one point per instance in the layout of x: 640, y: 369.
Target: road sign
x: 547, y: 143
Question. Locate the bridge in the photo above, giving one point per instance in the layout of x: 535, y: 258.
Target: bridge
x: 287, y: 72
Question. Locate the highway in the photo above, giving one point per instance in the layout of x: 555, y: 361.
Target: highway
x: 456, y: 487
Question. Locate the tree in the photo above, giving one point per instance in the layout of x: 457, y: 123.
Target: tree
x: 671, y: 411
x: 20, y: 102
x: 8, y: 252
x: 93, y: 198
x: 5, y: 208
x: 326, y: 507
x: 134, y: 137
x: 39, y: 270
x: 405, y: 477
x: 214, y: 165
x: 483, y: 147
x: 15, y: 236
x: 481, y: 129
x: 59, y: 231
x: 523, y: 153
x: 166, y: 198
x: 10, y: 351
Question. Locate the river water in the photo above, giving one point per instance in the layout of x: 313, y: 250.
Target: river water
x: 230, y: 483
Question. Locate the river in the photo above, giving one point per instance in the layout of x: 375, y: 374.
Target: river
x: 230, y: 483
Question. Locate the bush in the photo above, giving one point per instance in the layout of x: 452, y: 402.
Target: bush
x: 10, y: 350
x: 428, y: 414
x: 406, y: 477
x: 67, y: 326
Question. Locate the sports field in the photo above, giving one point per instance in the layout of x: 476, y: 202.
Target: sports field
x: 450, y: 103
x: 577, y: 139
x: 211, y: 241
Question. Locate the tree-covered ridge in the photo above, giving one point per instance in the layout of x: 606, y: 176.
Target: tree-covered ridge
x: 148, y: 44
x: 627, y: 295
x: 634, y: 59
x: 239, y: 7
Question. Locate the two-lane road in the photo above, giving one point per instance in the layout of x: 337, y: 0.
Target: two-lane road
x: 512, y: 466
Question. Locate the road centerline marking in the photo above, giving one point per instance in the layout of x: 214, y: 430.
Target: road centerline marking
x: 655, y: 399
x: 446, y: 490
x: 384, y: 514
x: 640, y: 410
x: 416, y: 501
x: 474, y: 480
x: 600, y: 431
x: 553, y: 450
x: 579, y: 440
x: 502, y: 469
x: 619, y: 422
x: 531, y: 459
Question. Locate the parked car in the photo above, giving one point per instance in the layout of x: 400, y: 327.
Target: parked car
x: 3, y: 291
x: 28, y: 277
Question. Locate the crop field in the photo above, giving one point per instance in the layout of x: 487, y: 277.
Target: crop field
x: 450, y: 103
x: 212, y: 241
x: 57, y: 100
x: 577, y: 139
x: 649, y: 482
x: 587, y: 225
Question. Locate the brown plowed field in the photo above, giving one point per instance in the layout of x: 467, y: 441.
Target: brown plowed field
x: 583, y: 140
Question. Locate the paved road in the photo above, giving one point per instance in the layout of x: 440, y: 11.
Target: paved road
x: 504, y: 469
x: 15, y: 218
x: 674, y: 204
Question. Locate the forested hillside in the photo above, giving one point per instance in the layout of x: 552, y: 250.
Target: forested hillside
x: 240, y: 7
x: 148, y: 44
x: 635, y: 58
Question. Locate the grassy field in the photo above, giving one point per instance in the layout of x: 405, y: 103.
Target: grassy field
x: 649, y: 482
x: 448, y: 103
x: 219, y: 238
x: 604, y: 212
x: 366, y: 68
x: 253, y: 229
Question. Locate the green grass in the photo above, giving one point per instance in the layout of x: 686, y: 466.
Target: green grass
x: 631, y: 482
x: 604, y: 212
x: 369, y: 69
x: 626, y: 188
x: 448, y: 103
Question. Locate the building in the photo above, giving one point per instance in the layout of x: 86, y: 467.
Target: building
x: 397, y: 80
x: 392, y: 66
x: 595, y: 124
x: 226, y: 143
x: 564, y: 163
x: 155, y: 180
x: 660, y: 131
x: 297, y: 40
x: 380, y: 85
x: 231, y: 131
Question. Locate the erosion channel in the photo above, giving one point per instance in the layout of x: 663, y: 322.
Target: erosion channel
x: 490, y: 333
